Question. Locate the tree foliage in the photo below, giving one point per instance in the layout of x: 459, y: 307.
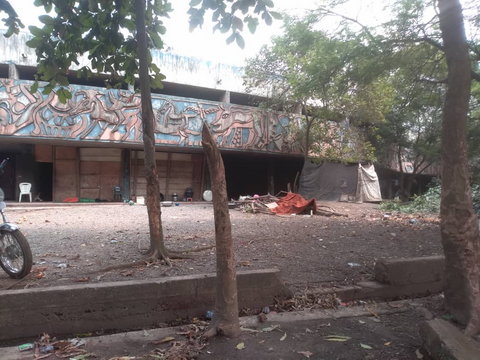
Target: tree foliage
x: 12, y: 21
x: 306, y: 70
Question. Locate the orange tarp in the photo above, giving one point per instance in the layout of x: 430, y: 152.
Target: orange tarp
x: 294, y: 204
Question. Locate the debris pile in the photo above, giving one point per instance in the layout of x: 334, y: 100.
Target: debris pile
x: 47, y: 346
x: 284, y: 203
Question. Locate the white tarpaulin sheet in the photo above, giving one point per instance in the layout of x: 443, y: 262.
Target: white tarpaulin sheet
x: 368, y: 187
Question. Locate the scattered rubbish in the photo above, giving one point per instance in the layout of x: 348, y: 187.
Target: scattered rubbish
x: 83, y: 279
x: 209, y: 315
x: 113, y: 241
x: 339, y: 338
x: 413, y: 221
x: 266, y: 310
x: 131, y: 202
x: 177, y: 204
x: 419, y: 354
x: 361, y: 322
x: 166, y: 203
x: 240, y: 346
x: 388, y: 343
x: 283, y: 337
x: 62, y: 266
x: 366, y: 347
x: 352, y: 264
x: 307, y: 354
x: 25, y: 347
x: 46, y: 349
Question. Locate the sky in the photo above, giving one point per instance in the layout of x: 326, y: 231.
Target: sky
x: 203, y: 43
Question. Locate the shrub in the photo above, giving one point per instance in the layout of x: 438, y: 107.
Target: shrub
x: 429, y: 202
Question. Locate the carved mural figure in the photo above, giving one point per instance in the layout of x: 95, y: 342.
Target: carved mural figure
x: 115, y: 115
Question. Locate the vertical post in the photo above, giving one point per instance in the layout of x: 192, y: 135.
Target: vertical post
x: 125, y: 174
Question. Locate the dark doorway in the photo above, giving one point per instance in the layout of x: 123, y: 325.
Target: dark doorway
x: 7, y: 177
x: 43, y: 181
x: 255, y: 174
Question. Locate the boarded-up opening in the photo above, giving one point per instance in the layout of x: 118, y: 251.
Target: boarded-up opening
x: 100, y: 172
x: 66, y: 173
x: 176, y: 173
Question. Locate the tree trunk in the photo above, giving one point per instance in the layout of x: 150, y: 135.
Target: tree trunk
x: 157, y: 247
x: 225, y: 320
x: 308, y: 130
x: 459, y: 224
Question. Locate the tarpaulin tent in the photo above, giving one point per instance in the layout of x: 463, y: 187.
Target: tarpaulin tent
x: 334, y: 181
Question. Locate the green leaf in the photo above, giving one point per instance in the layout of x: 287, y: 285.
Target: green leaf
x: 194, y: 2
x: 34, y: 42
x: 276, y: 15
x: 47, y: 20
x: 34, y: 87
x: 157, y: 41
x: 252, y: 24
x: 36, y: 31
x: 231, y: 38
x: 61, y: 96
x: 240, y: 41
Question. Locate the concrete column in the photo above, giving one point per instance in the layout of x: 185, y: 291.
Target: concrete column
x: 226, y: 97
x: 12, y: 72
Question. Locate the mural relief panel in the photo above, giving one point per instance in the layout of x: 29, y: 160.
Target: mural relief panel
x: 114, y: 115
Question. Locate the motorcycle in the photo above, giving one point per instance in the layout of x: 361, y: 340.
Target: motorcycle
x: 15, y: 254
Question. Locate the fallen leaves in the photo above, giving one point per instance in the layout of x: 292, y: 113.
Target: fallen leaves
x: 240, y: 346
x: 164, y: 340
x: 339, y: 338
x: 306, y: 354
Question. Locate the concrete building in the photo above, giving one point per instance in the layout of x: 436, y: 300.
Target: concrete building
x: 92, y: 145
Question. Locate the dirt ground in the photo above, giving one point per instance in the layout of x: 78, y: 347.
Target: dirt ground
x: 89, y: 243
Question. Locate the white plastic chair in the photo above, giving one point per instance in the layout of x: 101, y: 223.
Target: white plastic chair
x: 25, y: 190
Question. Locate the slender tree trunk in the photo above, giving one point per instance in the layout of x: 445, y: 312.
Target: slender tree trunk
x: 459, y: 224
x: 308, y: 130
x: 157, y: 247
x: 225, y: 320
x: 401, y: 190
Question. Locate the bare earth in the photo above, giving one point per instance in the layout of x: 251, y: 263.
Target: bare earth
x: 89, y: 243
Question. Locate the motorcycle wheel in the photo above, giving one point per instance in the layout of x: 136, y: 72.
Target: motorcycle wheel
x: 15, y: 254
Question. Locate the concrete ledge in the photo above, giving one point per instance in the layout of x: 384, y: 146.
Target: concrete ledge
x: 373, y: 290
x: 125, y: 305
x: 442, y: 340
x: 407, y: 271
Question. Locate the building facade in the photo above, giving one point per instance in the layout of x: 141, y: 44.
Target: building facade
x: 91, y: 147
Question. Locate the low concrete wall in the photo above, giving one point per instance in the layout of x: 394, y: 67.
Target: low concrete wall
x: 408, y: 271
x: 124, y: 305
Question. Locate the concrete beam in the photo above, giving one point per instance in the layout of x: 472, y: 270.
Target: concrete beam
x: 407, y: 271
x: 125, y: 304
x: 443, y: 340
